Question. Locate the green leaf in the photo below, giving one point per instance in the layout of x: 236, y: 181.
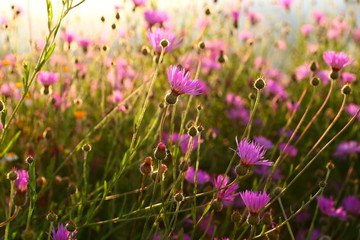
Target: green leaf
x: 3, y: 117
x: 11, y: 142
x: 50, y: 13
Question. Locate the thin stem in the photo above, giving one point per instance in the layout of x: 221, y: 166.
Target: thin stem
x: 317, y: 113
x: 285, y: 217
x: 8, y: 214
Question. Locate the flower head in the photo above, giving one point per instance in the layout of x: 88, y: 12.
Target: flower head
x: 225, y: 194
x: 251, y: 153
x: 347, y: 148
x: 47, y: 78
x: 336, y: 60
x: 326, y: 205
x: 156, y: 35
x: 22, y: 181
x: 62, y: 233
x: 155, y: 16
x: 254, y: 201
x: 181, y: 83
x: 201, y: 178
x: 352, y: 205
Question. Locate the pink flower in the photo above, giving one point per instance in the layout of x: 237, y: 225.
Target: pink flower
x: 347, y: 77
x: 181, y: 83
x: 285, y: 3
x: 336, y: 60
x: 255, y: 201
x: 306, y: 29
x: 22, y: 181
x: 156, y: 35
x: 326, y: 205
x: 155, y: 16
x: 47, y: 78
x: 253, y: 17
x: 227, y: 194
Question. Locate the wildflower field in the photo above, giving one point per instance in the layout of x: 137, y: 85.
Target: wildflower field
x: 212, y: 119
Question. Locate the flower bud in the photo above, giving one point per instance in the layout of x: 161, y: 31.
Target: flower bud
x: 313, y: 67
x: 330, y: 165
x: 259, y: 83
x: 253, y: 219
x: 207, y: 11
x: 346, y: 89
x: 164, y: 43
x: 217, y: 205
x: 29, y: 160
x: 160, y: 151
x: 86, y: 147
x: 236, y: 217
x: 70, y: 226
x: 12, y: 175
x: 192, y: 131
x: 201, y: 45
x: 117, y: 16
x: 102, y: 18
x: 241, y: 170
x: 145, y: 50
x: 267, y: 218
x: 28, y: 234
x: 315, y: 81
x: 179, y: 197
x: 51, y: 217
x: 146, y: 167
x: 113, y: 26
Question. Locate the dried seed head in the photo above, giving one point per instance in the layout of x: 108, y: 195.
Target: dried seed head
x: 86, y: 147
x: 52, y: 217
x: 346, y: 89
x: 164, y: 43
x: 70, y: 226
x: 315, y: 81
x: 313, y: 67
x: 192, y: 131
x: 12, y: 175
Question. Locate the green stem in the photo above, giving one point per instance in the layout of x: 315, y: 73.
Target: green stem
x: 285, y: 217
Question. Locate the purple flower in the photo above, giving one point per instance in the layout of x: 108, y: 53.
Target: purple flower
x: 352, y: 205
x: 290, y: 150
x: 251, y: 153
x: 47, y: 78
x: 263, y: 141
x: 202, y: 176
x: 156, y: 35
x: 22, y: 181
x: 336, y: 60
x: 347, y: 77
x: 326, y: 206
x: 348, y: 148
x: 254, y: 201
x: 227, y: 194
x: 352, y: 109
x: 181, y: 83
x: 62, y: 233
x: 235, y: 15
x: 68, y: 37
x: 302, y: 71
x: 155, y: 16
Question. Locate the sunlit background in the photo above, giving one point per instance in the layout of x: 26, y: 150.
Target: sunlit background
x: 85, y: 20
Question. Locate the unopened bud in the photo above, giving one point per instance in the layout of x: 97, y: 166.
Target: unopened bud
x: 179, y: 197
x: 259, y: 83
x: 86, y: 147
x: 52, y: 217
x: 160, y: 151
x: 12, y: 175
x: 70, y: 226
x: 145, y: 50
x: 236, y: 217
x: 146, y: 167
x: 313, y: 67
x: 164, y: 43
x: 346, y: 89
x: 102, y: 18
x: 315, y: 81
x: 201, y: 45
x: 192, y: 131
